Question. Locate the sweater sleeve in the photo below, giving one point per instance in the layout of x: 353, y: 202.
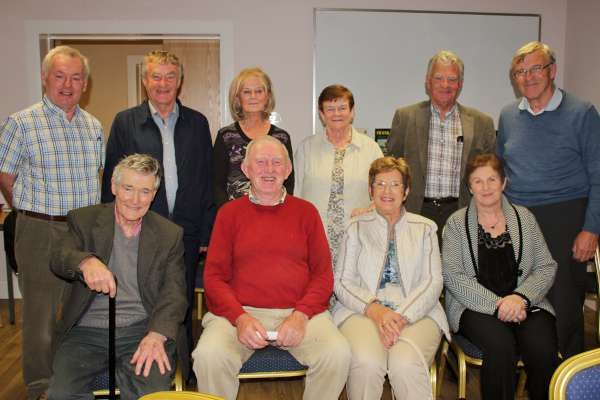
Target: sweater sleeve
x: 347, y: 282
x: 590, y: 147
x: 320, y: 286
x: 218, y: 270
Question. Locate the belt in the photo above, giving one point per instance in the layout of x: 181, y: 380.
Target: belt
x: 45, y: 217
x: 439, y: 201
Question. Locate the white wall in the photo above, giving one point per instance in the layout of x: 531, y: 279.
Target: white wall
x: 582, y: 50
x: 274, y: 34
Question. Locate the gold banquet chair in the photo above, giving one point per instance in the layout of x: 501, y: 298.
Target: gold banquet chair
x: 180, y: 396
x: 100, y: 384
x: 577, y: 378
x: 267, y: 363
x: 467, y: 354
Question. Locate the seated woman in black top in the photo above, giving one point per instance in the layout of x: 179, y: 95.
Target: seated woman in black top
x: 497, y: 270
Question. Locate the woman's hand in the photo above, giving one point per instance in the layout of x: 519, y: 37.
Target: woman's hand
x: 389, y: 323
x: 511, y: 309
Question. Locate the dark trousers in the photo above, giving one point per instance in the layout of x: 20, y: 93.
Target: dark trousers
x: 439, y: 214
x: 83, y: 355
x: 560, y: 223
x: 534, y: 340
x: 191, y: 260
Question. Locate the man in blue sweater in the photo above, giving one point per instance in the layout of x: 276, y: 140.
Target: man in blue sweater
x: 550, y: 143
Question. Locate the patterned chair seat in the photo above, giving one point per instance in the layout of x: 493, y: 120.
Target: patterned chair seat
x: 271, y: 362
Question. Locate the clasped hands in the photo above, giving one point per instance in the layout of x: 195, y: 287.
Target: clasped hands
x: 389, y: 323
x: 152, y: 347
x: 252, y: 334
x: 511, y: 308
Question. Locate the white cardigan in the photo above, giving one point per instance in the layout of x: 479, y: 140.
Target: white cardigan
x: 361, y: 262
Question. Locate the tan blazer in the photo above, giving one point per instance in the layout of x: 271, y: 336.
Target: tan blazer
x: 409, y: 138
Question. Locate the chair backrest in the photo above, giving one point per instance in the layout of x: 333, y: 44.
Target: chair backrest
x: 180, y: 396
x: 577, y: 377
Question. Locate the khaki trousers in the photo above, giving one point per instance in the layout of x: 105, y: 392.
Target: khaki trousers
x: 42, y: 294
x: 219, y: 355
x: 407, y: 367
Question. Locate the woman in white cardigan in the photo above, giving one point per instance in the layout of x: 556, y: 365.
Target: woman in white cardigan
x: 388, y: 281
x: 497, y: 271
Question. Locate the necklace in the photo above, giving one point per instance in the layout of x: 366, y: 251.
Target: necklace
x: 493, y: 225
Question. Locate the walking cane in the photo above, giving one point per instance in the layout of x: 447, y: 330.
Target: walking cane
x: 111, y: 347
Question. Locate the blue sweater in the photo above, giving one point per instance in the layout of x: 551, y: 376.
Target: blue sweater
x: 553, y: 157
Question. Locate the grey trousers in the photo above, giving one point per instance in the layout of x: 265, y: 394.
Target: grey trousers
x: 42, y: 294
x: 83, y: 354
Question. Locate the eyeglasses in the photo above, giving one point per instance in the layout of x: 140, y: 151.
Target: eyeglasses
x: 535, y: 70
x: 393, y: 185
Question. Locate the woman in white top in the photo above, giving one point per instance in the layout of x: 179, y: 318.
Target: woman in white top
x: 331, y: 168
x: 388, y: 281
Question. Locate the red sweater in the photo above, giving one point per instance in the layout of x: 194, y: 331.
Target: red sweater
x: 268, y: 257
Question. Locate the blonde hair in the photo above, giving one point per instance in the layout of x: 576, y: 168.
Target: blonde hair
x: 528, y: 49
x: 235, y: 108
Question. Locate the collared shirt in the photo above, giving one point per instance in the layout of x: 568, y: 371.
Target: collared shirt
x: 57, y: 161
x: 167, y: 133
x: 444, y: 154
x: 255, y: 200
x: 552, y: 105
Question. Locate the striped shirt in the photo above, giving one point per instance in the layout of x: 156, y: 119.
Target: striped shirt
x: 444, y: 154
x: 57, y: 161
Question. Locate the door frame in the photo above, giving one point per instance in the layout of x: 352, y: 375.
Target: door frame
x: 40, y: 32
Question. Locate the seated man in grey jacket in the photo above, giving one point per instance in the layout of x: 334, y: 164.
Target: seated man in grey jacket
x: 120, y: 242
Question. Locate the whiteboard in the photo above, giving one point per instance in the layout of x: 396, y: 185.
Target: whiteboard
x: 382, y: 55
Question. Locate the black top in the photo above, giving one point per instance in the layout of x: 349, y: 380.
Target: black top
x: 497, y: 267
x: 229, y: 152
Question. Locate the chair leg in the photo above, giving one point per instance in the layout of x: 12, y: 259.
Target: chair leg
x: 522, y: 382
x: 442, y: 368
x: 462, y: 376
x: 200, y: 302
x: 433, y: 377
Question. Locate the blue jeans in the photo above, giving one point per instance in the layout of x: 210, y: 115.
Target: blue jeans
x: 83, y: 354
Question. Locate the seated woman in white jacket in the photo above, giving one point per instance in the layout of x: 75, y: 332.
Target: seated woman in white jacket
x: 388, y: 281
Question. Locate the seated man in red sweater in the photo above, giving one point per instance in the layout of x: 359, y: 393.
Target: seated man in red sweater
x: 268, y: 279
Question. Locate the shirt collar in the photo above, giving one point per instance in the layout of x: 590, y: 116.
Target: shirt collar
x: 355, y: 139
x: 253, y: 199
x: 552, y: 105
x: 173, y: 114
x: 56, y: 109
x: 436, y: 111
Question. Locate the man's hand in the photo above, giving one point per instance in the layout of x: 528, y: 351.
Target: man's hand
x: 291, y: 331
x: 151, y: 349
x: 388, y: 322
x: 511, y: 308
x: 97, y: 276
x: 250, y: 332
x: 584, y: 246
